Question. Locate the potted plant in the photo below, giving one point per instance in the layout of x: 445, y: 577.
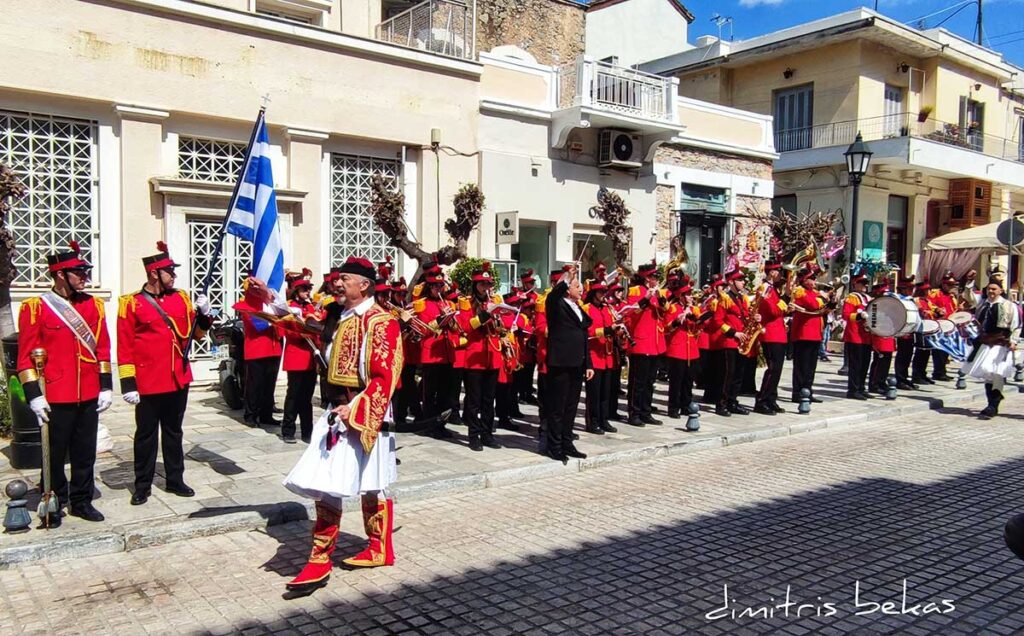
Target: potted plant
x: 924, y: 113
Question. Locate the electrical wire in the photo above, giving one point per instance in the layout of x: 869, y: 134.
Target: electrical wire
x: 959, y: 5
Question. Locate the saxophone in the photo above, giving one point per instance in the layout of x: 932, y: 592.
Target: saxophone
x: 752, y: 327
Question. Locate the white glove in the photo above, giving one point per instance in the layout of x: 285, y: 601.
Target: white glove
x: 105, y: 399
x: 202, y: 304
x: 41, y: 408
x: 131, y: 397
x: 295, y: 311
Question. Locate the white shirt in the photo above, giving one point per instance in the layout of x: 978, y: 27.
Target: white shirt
x: 575, y: 308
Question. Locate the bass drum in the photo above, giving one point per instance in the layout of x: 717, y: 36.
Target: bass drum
x: 891, y: 316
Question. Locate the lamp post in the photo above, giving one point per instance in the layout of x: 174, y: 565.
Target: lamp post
x: 858, y: 158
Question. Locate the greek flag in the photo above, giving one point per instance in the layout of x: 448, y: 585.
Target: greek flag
x: 253, y: 217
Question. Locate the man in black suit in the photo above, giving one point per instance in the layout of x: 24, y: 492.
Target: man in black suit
x: 568, y: 363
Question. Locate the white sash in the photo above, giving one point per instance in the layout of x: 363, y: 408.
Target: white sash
x: 74, y: 321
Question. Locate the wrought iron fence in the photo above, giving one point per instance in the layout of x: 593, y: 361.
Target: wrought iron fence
x: 439, y: 26
x: 594, y: 83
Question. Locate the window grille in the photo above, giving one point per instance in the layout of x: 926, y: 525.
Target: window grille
x: 56, y: 160
x: 353, y: 232
x: 209, y: 159
x: 229, y: 273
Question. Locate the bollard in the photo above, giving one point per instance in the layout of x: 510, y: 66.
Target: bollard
x: 805, y: 402
x: 693, y: 418
x: 17, y: 517
x: 890, y: 387
x: 961, y: 380
x: 1018, y: 374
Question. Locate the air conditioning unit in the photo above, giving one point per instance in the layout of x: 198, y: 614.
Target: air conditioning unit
x: 620, y: 149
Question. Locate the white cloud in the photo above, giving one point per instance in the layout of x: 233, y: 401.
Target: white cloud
x: 758, y: 3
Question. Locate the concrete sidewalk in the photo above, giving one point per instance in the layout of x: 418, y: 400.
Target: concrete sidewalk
x: 237, y: 471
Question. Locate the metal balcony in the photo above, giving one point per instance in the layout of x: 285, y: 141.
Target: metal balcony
x: 445, y: 27
x: 595, y: 84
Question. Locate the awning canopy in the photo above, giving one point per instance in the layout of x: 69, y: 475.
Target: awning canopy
x: 981, y: 237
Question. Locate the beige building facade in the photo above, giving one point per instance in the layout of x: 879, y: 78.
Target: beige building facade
x: 942, y: 116
x: 128, y: 123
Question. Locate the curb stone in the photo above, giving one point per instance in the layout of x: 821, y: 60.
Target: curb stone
x: 136, y: 536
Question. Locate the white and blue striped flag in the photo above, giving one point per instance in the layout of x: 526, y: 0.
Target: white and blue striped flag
x: 254, y: 218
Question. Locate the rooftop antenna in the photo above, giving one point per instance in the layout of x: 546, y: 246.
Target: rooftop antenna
x: 979, y: 23
x: 721, y: 21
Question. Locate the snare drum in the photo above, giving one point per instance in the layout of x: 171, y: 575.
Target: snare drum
x: 889, y: 316
x: 929, y: 327
x: 961, y: 317
x: 946, y: 326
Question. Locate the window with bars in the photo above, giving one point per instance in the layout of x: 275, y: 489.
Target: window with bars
x: 229, y: 272
x: 56, y: 160
x: 353, y: 232
x: 209, y: 159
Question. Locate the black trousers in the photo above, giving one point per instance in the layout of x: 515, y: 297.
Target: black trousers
x: 858, y: 359
x: 480, y: 388
x: 880, y: 364
x: 939, y: 361
x: 523, y: 382
x: 564, y: 385
x: 453, y: 390
x: 406, y: 399
x: 904, y: 354
x: 775, y: 357
x: 805, y: 365
x: 640, y: 394
x: 746, y: 368
x: 435, y: 386
x: 615, y: 386
x: 298, y: 403
x: 702, y: 371
x: 504, y: 399
x: 72, y: 432
x: 260, y: 378
x: 680, y: 385
x: 598, y: 399
x: 919, y: 365
x: 724, y: 379
x: 159, y: 414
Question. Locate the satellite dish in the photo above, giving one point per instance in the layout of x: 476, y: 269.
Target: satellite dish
x: 1010, y: 232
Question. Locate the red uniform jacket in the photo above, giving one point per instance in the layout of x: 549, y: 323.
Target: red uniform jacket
x: 945, y: 302
x: 510, y: 346
x: 646, y: 324
x: 71, y: 373
x: 853, y: 313
x: 527, y: 341
x: 728, y: 317
x: 602, y: 337
x: 540, y: 333
x: 261, y: 340
x: 804, y: 327
x: 773, y: 311
x: 682, y: 330
x: 926, y: 307
x: 149, y: 352
x: 298, y: 353
x: 483, y: 348
x: 435, y: 348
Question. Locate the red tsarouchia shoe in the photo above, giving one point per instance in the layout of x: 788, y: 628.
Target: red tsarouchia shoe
x: 378, y: 516
x: 325, y: 537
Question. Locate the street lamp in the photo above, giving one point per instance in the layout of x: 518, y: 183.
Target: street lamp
x: 858, y: 158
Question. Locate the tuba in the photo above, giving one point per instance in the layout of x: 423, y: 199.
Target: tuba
x: 752, y: 327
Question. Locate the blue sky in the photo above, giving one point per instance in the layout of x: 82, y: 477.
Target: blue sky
x: 1003, y: 19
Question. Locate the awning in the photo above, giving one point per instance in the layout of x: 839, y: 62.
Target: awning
x: 982, y: 237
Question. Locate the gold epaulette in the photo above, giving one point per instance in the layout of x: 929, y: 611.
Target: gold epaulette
x: 419, y: 305
x: 465, y: 304
x: 32, y: 306
x: 101, y: 310
x: 853, y: 299
x: 123, y: 303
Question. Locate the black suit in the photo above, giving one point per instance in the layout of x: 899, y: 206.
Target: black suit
x: 568, y: 358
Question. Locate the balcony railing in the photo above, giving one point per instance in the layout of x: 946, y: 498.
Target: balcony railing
x: 446, y: 27
x: 842, y: 133
x: 590, y: 82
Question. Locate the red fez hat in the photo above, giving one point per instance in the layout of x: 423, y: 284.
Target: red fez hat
x: 922, y: 286
x: 433, y: 279
x: 880, y: 288
x: 597, y: 286
x: 381, y: 286
x: 67, y: 260
x: 684, y: 289
x: 772, y: 265
x: 616, y: 286
x: 399, y: 285
x: 736, y: 274
x: 859, y: 278
x: 647, y: 269
x: 358, y: 266
x: 483, y: 275
x: 160, y: 260
x: 527, y: 275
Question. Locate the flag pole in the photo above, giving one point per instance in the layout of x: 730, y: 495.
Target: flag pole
x: 208, y: 280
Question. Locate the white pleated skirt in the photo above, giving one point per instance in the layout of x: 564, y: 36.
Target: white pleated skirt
x: 346, y: 470
x: 990, y: 363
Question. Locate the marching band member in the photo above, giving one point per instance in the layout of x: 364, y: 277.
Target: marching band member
x: 512, y: 324
x: 945, y: 302
x: 805, y: 330
x: 351, y: 452
x: 262, y: 351
x: 726, y: 330
x: 683, y: 320
x: 602, y: 334
x: 153, y: 327
x: 457, y: 339
x: 904, y: 344
x: 773, y: 310
x: 70, y: 326
x: 648, y: 330
x: 923, y: 350
x: 616, y: 302
x: 483, y: 359
x: 406, y: 397
x: 857, y: 339
x: 883, y: 349
x: 299, y: 363
x: 524, y: 393
x: 436, y: 351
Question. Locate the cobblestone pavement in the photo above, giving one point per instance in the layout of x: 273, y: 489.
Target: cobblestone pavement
x: 237, y: 469
x: 835, y: 517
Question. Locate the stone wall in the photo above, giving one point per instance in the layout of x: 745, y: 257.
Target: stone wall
x: 552, y: 31
x: 714, y: 161
x: 666, y: 203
